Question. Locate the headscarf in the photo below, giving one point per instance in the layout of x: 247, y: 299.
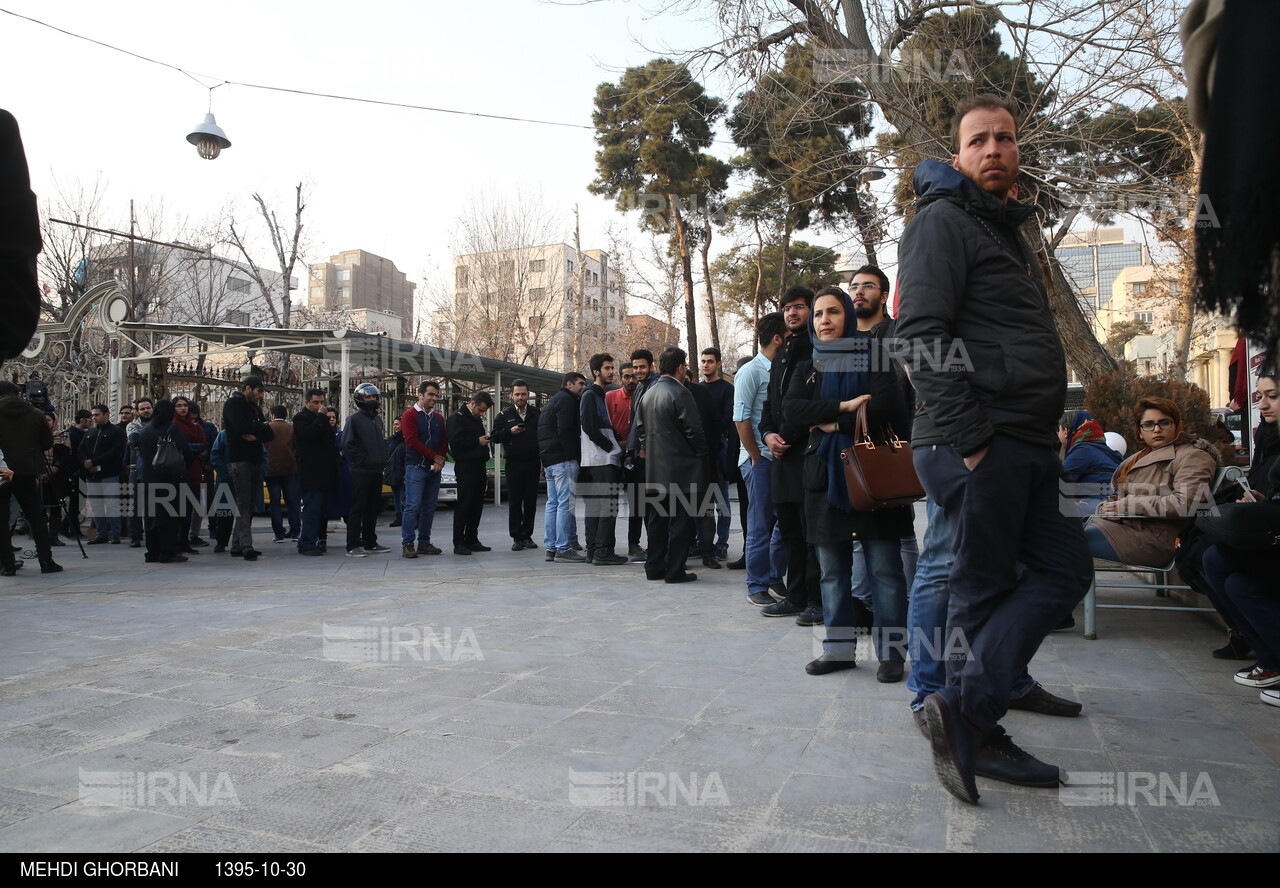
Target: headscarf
x: 844, y: 367
x: 1084, y: 428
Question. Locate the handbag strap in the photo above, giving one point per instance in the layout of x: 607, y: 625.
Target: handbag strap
x: 860, y: 434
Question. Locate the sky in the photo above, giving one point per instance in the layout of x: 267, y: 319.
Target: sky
x: 392, y: 181
x: 388, y: 180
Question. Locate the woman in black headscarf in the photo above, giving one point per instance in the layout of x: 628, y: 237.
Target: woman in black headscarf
x: 164, y: 493
x: 848, y: 370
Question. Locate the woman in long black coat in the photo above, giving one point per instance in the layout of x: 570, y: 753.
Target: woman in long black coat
x: 164, y: 498
x: 847, y: 371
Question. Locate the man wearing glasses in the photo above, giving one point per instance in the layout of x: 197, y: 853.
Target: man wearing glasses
x: 803, y: 599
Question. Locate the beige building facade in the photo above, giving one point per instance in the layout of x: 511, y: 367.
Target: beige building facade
x: 356, y: 280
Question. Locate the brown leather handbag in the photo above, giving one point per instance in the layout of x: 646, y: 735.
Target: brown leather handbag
x: 879, y: 476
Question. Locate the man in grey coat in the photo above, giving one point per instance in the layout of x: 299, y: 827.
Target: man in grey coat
x: 671, y: 437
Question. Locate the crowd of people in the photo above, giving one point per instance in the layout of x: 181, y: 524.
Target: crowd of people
x: 1016, y: 513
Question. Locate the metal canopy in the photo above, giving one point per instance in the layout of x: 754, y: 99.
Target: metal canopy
x: 364, y: 349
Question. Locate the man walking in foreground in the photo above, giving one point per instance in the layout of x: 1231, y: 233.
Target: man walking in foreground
x: 990, y: 377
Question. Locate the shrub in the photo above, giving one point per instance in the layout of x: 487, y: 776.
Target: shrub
x: 1111, y: 398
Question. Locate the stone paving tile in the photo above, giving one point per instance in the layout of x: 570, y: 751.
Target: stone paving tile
x: 312, y: 742
x: 747, y: 708
x: 608, y: 831
x: 498, y: 720
x: 466, y: 822
x: 1037, y: 821
x: 1175, y: 829
x: 544, y: 774
x: 127, y: 716
x: 589, y: 679
x: 428, y: 759
x: 1210, y: 743
x: 1239, y: 790
x: 640, y: 699
x: 912, y: 815
x: 540, y: 691
x: 608, y: 732
x: 76, y: 828
x: 203, y: 838
x: 19, y: 804
x: 328, y: 808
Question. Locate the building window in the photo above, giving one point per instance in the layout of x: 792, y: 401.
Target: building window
x: 568, y: 266
x: 1144, y: 317
x: 237, y: 285
x: 537, y: 294
x: 343, y: 294
x: 537, y: 264
x: 1139, y: 288
x: 462, y: 278
x: 344, y: 274
x: 613, y: 313
x: 595, y: 278
x: 536, y: 322
x: 507, y: 268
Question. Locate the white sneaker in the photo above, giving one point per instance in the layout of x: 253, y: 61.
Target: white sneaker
x: 1257, y: 677
x: 357, y: 552
x: 278, y: 540
x: 1271, y: 698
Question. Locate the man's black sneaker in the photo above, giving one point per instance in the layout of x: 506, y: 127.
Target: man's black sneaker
x: 377, y: 549
x: 605, y: 559
x: 529, y: 543
x: 1039, y: 700
x: 760, y: 599
x: 249, y: 555
x: 782, y: 608
x: 461, y: 550
x: 312, y: 552
x: 812, y: 616
x: 477, y: 546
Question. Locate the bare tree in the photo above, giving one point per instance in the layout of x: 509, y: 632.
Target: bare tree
x: 1073, y: 59
x: 511, y: 301
x: 65, y: 260
x: 286, y: 244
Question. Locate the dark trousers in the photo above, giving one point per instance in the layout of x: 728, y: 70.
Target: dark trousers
x: 26, y: 490
x: 743, y: 505
x: 803, y: 572
x: 315, y: 506
x: 522, y: 489
x: 1003, y: 514
x: 284, y: 487
x: 598, y: 486
x: 362, y: 520
x: 1245, y: 594
x: 635, y: 514
x: 164, y: 520
x: 670, y: 525
x: 466, y: 514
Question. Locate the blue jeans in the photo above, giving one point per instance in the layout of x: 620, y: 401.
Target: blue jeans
x: 285, y: 486
x: 1099, y: 546
x: 762, y: 570
x: 862, y: 580
x: 927, y: 614
x: 559, y: 526
x: 315, y: 505
x: 889, y: 585
x: 421, y: 492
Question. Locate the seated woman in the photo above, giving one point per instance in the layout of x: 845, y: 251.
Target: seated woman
x: 824, y: 396
x: 1157, y: 490
x: 1261, y: 486
x: 1088, y: 465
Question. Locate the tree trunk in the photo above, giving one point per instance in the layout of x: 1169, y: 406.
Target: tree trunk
x: 705, y: 249
x: 784, y: 265
x: 755, y: 307
x: 686, y: 270
x: 1084, y: 353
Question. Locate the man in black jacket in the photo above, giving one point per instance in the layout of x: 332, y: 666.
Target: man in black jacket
x: 247, y: 428
x: 560, y: 448
x: 601, y: 465
x: 469, y: 445
x: 19, y: 244
x: 990, y: 377
x: 704, y: 522
x: 366, y: 450
x: 318, y: 465
x: 804, y: 597
x: 516, y: 429
x: 101, y: 457
x: 24, y: 438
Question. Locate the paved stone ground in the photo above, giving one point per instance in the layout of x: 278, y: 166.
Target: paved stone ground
x: 604, y: 709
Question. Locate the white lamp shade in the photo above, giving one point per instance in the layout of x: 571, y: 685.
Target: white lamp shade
x: 209, y: 138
